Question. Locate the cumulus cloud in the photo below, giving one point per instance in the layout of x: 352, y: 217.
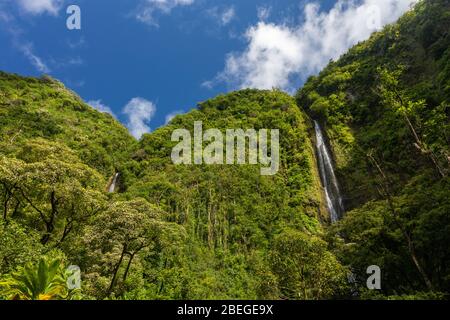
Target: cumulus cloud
x: 99, y: 106
x: 139, y: 112
x: 277, y: 53
x: 172, y: 115
x: 41, y: 6
x: 147, y: 12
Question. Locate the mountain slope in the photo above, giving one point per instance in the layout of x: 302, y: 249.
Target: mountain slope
x: 173, y: 231
x: 241, y: 225
x: 385, y: 105
x: 32, y: 108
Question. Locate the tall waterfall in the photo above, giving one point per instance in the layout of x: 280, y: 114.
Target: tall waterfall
x: 112, y: 186
x: 329, y: 181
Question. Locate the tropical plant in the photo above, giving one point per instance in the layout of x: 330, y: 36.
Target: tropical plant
x: 44, y: 281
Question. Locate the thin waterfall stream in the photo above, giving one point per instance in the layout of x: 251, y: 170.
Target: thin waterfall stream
x: 330, y: 183
x: 112, y: 186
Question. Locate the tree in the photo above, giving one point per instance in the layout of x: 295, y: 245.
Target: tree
x: 305, y: 268
x: 121, y: 232
x: 398, y: 100
x: 52, y: 188
x: 385, y: 191
x: 18, y: 246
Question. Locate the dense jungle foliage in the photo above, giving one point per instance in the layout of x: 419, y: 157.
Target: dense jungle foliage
x: 385, y: 105
x: 226, y: 231
x: 171, y: 231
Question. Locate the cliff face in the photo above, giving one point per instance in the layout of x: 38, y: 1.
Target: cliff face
x: 363, y: 99
x: 296, y: 177
x: 385, y: 107
x: 232, y: 212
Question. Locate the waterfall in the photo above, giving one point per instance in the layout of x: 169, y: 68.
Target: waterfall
x: 112, y: 186
x: 329, y: 181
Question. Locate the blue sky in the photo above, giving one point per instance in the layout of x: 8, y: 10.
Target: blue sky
x: 145, y: 60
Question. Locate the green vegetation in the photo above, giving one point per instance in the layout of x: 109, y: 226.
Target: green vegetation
x: 231, y: 214
x: 46, y: 281
x: 32, y: 108
x: 385, y: 105
x: 171, y: 231
x: 225, y: 231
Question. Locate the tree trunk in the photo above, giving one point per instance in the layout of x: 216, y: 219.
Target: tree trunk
x: 116, y: 270
x: 422, y: 147
x: 412, y: 252
x: 128, y: 266
x: 49, y: 225
x: 5, y: 205
x: 210, y: 221
x: 67, y: 229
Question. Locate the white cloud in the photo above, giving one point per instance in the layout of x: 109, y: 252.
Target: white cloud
x: 273, y: 52
x: 99, y: 106
x: 276, y: 53
x: 9, y: 24
x: 41, y: 6
x: 149, y: 8
x: 172, y: 115
x: 263, y: 13
x: 37, y: 62
x: 227, y: 15
x: 139, y: 112
x: 222, y: 15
